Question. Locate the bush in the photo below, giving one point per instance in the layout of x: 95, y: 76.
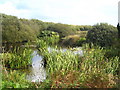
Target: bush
x: 49, y: 37
x: 102, y: 34
x: 80, y: 42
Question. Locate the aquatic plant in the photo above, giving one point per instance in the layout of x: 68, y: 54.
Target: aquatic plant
x: 17, y: 60
x: 67, y: 70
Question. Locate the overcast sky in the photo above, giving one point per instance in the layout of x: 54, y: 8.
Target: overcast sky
x: 76, y: 12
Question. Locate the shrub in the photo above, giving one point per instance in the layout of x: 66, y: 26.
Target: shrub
x: 49, y: 37
x: 80, y: 42
x: 102, y: 34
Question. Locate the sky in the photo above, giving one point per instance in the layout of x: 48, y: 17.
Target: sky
x: 75, y: 12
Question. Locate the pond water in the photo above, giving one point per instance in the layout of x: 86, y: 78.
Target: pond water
x: 75, y: 51
x: 37, y: 71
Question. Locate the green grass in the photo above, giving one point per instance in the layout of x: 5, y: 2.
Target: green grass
x: 66, y: 70
x: 17, y: 58
x: 92, y: 67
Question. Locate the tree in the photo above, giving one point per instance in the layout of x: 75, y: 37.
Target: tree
x: 102, y: 34
x: 62, y: 29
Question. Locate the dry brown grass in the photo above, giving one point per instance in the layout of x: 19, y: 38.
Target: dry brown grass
x: 82, y: 33
x: 72, y: 39
x: 65, y: 81
x: 107, y: 81
x: 71, y: 80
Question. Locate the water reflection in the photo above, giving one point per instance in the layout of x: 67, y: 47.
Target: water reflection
x: 75, y: 51
x: 38, y: 72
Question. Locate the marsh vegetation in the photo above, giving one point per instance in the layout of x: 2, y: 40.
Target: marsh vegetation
x: 72, y: 56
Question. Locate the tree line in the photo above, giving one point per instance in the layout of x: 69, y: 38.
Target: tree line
x: 20, y: 30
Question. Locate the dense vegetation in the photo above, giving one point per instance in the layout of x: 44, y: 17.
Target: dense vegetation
x: 18, y: 30
x: 102, y: 34
x: 15, y: 30
x: 97, y: 68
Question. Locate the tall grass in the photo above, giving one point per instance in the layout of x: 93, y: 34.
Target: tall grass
x: 94, y: 58
x: 66, y: 70
x: 17, y: 58
x: 57, y: 60
x: 99, y: 70
x: 13, y: 79
x: 69, y: 70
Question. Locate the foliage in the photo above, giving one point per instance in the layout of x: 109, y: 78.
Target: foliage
x: 75, y: 40
x: 62, y: 29
x: 85, y: 27
x: 94, y: 60
x: 42, y: 45
x: 97, y: 68
x: 15, y: 60
x: 70, y: 40
x: 102, y: 34
x: 18, y: 30
x: 49, y: 37
x: 80, y: 42
x: 57, y: 60
x: 82, y: 33
x: 65, y: 70
x: 87, y: 70
x: 14, y: 79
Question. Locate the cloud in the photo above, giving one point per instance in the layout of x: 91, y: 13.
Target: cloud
x: 78, y: 12
x: 9, y: 8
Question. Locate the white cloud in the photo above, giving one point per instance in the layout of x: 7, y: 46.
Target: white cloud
x: 65, y: 11
x: 9, y: 8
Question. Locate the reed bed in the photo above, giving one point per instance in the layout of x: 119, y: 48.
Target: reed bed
x: 65, y: 69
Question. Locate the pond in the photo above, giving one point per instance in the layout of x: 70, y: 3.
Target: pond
x: 37, y: 71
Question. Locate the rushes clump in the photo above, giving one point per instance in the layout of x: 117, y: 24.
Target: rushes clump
x: 17, y: 60
x: 57, y: 61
